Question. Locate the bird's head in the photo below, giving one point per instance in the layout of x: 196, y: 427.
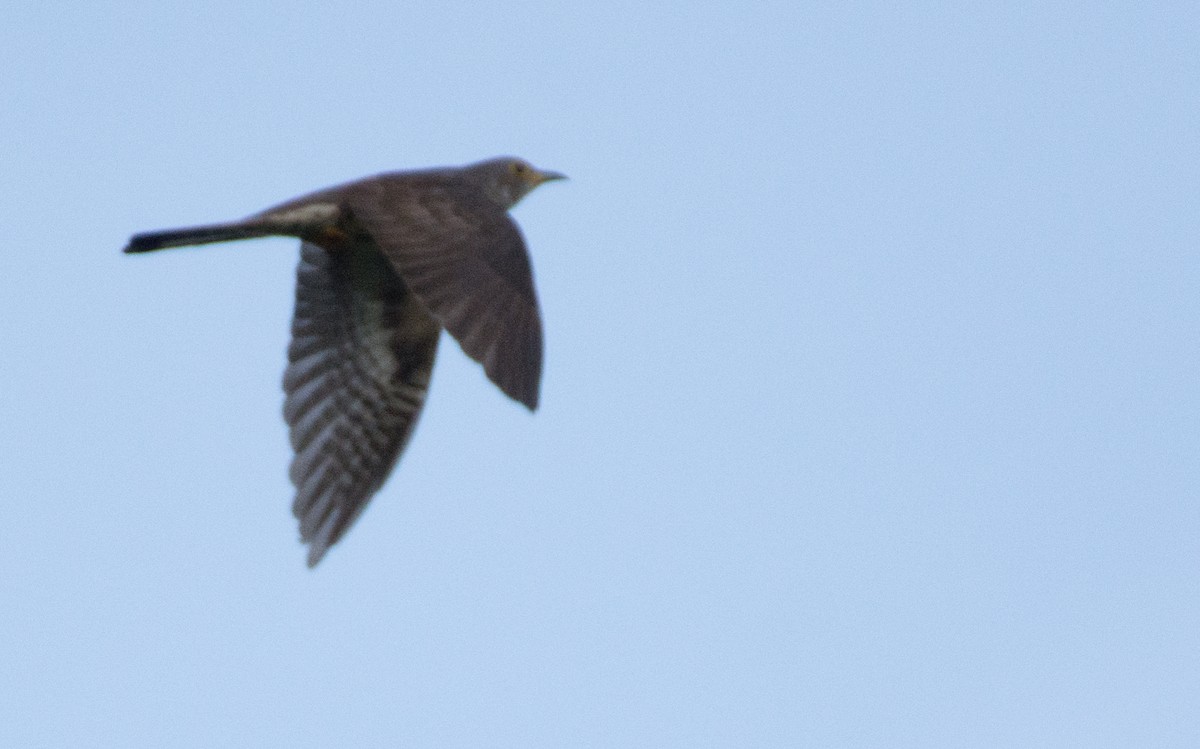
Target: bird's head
x: 506, y: 180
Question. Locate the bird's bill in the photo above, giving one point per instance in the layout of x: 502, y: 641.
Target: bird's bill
x: 548, y: 177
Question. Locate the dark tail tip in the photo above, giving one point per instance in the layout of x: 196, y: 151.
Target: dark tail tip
x: 143, y: 243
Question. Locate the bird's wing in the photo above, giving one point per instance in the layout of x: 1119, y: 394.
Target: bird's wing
x: 466, y: 261
x: 360, y: 358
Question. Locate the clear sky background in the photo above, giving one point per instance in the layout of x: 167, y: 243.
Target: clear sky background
x: 869, y: 417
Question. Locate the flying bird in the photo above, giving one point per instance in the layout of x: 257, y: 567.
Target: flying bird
x: 386, y: 263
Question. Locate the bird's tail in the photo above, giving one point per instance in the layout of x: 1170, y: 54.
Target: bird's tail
x: 161, y: 240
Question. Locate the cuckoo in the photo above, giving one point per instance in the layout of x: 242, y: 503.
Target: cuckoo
x: 386, y: 263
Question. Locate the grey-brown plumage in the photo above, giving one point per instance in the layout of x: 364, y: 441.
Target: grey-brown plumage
x: 385, y: 264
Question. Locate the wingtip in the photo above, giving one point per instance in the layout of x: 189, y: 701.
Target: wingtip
x: 315, y: 553
x: 525, y: 394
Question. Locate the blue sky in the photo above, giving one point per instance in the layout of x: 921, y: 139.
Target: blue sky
x: 869, y: 415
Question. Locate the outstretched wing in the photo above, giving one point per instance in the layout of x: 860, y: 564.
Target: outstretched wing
x: 466, y: 261
x: 360, y: 358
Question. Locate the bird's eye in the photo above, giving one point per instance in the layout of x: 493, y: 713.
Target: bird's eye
x: 518, y: 168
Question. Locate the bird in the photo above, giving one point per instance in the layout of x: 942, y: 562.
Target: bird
x: 386, y: 263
